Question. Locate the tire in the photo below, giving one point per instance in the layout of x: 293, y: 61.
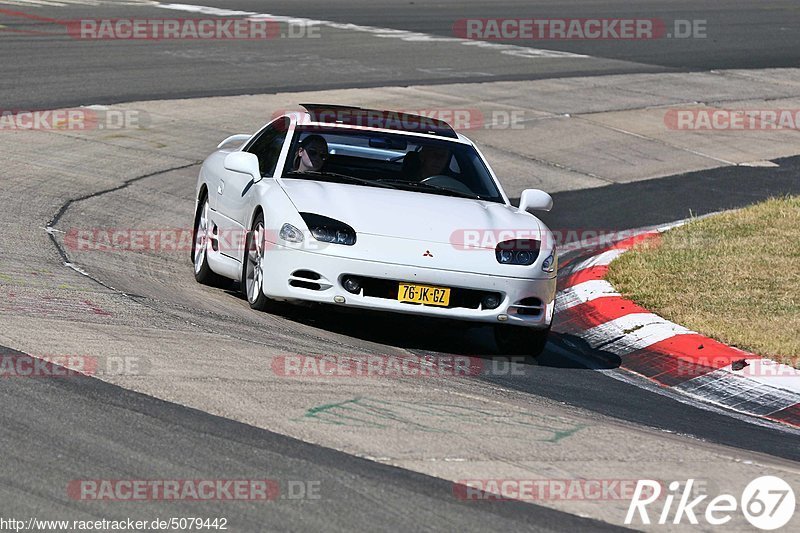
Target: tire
x: 200, y: 243
x: 253, y: 266
x: 517, y: 340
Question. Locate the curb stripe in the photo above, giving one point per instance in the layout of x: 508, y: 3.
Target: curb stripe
x: 682, y: 358
x: 599, y: 311
x: 632, y: 332
x: 790, y: 415
x: 701, y: 350
x: 586, y: 274
x: 739, y: 393
x: 630, y: 242
x: 583, y: 292
x: 662, y: 367
x: 769, y: 373
x: 602, y: 259
x: 590, y: 308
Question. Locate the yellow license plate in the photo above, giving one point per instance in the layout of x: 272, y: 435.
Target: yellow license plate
x: 423, y: 294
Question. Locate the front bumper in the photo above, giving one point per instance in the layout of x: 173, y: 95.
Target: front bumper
x: 286, y: 277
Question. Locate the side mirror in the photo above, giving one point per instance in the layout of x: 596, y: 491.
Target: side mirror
x: 243, y: 162
x: 535, y: 200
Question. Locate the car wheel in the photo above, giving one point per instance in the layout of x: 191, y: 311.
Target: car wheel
x: 200, y: 244
x: 516, y: 340
x: 253, y: 275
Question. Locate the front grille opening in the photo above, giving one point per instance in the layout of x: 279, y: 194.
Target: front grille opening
x: 386, y: 288
x: 529, y: 306
x: 307, y: 274
x: 214, y: 240
x: 305, y: 284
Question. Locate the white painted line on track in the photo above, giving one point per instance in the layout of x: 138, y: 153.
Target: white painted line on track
x: 63, y: 3
x: 387, y: 33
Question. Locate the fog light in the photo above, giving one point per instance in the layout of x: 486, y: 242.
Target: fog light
x: 338, y: 299
x: 502, y: 318
x: 351, y: 285
x: 490, y: 301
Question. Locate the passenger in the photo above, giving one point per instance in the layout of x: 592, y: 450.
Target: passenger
x: 312, y: 154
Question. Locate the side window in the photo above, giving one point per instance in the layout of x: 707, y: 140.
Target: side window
x: 268, y: 146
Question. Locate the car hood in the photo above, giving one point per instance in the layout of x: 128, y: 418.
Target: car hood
x: 413, y: 215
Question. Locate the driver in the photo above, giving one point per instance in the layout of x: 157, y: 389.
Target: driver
x: 434, y: 159
x: 311, y: 154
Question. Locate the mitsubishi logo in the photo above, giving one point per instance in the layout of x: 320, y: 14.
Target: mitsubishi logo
x: 427, y: 254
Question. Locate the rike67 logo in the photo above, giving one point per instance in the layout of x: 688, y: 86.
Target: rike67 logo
x: 767, y: 502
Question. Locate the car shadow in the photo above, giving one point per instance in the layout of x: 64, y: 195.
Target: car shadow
x: 393, y: 329
x: 583, y: 355
x: 432, y: 336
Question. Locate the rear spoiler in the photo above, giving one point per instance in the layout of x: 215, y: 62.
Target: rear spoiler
x: 239, y: 137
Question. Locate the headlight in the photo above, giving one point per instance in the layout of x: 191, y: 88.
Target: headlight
x: 291, y: 233
x: 325, y: 229
x: 517, y: 252
x: 550, y: 262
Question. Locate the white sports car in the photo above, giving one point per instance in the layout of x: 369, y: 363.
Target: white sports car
x: 375, y: 210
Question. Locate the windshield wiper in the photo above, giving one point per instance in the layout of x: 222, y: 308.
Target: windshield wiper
x: 345, y: 177
x: 428, y: 186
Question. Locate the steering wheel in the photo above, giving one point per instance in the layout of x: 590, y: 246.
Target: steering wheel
x: 447, y: 182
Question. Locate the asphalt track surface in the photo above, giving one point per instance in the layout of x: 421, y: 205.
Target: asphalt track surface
x: 89, y: 425
x: 51, y: 69
x: 557, y: 376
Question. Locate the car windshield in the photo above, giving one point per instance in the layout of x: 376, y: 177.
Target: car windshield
x: 397, y: 161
